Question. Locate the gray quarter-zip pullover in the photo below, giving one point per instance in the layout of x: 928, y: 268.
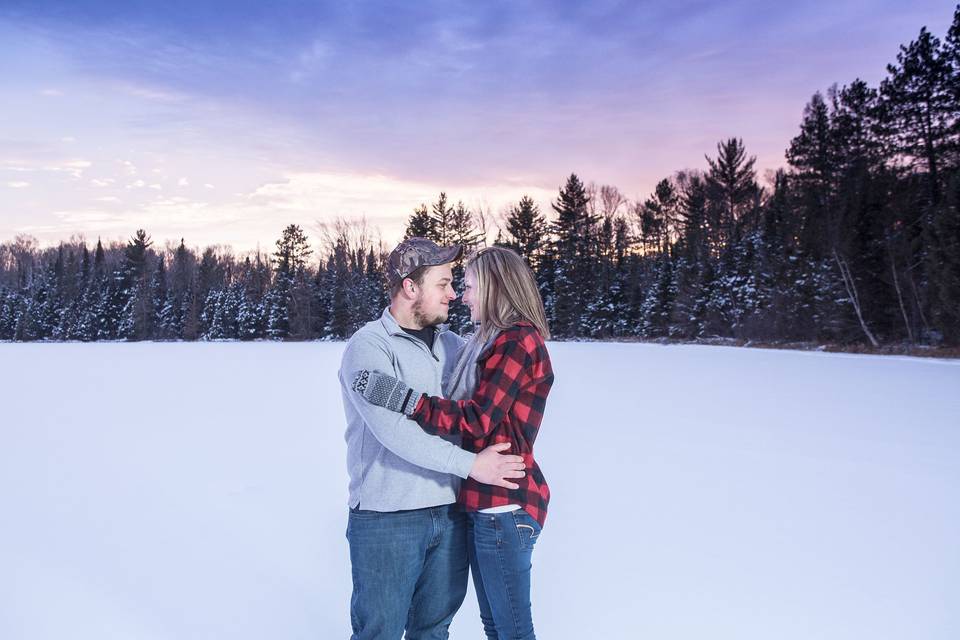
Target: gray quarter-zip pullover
x: 393, y: 465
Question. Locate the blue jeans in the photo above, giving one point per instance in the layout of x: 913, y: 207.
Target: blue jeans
x: 409, y: 572
x: 501, y: 548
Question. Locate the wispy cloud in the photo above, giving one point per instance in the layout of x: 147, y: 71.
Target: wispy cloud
x: 331, y: 194
x: 155, y: 94
x: 74, y: 167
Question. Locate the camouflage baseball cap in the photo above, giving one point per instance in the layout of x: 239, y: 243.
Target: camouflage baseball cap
x: 413, y: 253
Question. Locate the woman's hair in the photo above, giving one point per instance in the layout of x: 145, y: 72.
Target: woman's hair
x: 506, y: 292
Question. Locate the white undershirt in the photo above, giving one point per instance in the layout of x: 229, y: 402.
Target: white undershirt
x: 503, y: 509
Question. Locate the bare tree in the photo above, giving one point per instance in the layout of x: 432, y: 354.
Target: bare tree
x: 611, y: 201
x: 851, y: 288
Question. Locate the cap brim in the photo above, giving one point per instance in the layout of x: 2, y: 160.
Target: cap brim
x: 449, y: 254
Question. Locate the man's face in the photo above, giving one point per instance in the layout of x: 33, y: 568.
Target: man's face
x: 433, y: 296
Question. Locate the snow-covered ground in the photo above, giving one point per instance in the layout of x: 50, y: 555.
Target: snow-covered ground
x: 197, y: 491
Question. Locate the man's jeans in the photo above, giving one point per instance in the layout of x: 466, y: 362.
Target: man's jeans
x: 501, y: 548
x: 409, y: 571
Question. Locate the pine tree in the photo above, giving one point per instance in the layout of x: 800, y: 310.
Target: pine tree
x: 251, y: 321
x: 944, y: 264
x: 527, y: 230
x: 138, y: 314
x: 732, y: 189
x: 659, y: 217
x: 463, y: 232
x: 277, y: 307
x: 658, y: 305
x: 920, y: 103
x: 813, y: 156
x: 573, y: 258
x: 292, y: 252
x: 420, y: 224
x: 341, y: 308
x: 441, y: 214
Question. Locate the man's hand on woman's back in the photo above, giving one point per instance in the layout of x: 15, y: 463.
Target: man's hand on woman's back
x: 494, y: 467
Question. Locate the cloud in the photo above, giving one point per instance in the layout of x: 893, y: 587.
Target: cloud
x: 73, y: 167
x: 51, y: 93
x: 154, y: 94
x: 88, y: 216
x: 327, y: 195
x: 106, y: 182
x: 18, y: 185
x: 183, y: 182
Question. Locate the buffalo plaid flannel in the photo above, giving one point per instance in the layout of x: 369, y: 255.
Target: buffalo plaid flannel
x: 515, y: 378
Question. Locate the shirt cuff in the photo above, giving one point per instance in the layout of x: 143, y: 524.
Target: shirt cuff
x: 420, y: 406
x: 461, y: 462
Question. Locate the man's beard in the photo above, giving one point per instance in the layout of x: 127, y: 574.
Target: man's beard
x: 424, y: 320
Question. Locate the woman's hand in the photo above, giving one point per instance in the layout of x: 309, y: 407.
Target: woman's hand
x: 386, y: 391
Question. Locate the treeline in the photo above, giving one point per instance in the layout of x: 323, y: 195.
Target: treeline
x: 858, y: 240
x: 134, y: 291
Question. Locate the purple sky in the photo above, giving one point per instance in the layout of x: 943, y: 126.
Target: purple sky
x: 225, y: 123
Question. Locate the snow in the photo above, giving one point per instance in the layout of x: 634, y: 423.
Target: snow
x: 197, y: 491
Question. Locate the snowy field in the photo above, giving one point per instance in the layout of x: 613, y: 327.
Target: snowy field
x: 197, y: 491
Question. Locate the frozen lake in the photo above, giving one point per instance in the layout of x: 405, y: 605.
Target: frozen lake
x: 198, y: 491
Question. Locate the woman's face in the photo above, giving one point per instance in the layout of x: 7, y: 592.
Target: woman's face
x: 470, y: 294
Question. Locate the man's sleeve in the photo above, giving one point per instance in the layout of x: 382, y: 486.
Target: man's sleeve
x: 395, y: 431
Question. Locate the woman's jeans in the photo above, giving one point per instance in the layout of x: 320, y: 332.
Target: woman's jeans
x: 501, y: 547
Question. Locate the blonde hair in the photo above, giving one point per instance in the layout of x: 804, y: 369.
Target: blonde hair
x: 506, y: 293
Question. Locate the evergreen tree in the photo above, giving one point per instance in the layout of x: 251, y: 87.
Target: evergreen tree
x: 420, y: 224
x: 923, y: 109
x: 341, y: 314
x: 441, y: 214
x: 137, y: 301
x: 572, y: 258
x: 463, y: 232
x: 527, y: 230
x: 732, y: 189
x: 944, y: 264
x: 657, y: 307
x: 292, y: 252
x: 277, y: 307
x: 659, y: 217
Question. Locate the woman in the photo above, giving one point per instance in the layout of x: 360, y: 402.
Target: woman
x: 497, y: 393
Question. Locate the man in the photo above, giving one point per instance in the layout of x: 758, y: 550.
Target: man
x: 407, y: 538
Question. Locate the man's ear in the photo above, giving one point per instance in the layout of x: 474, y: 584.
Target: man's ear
x: 410, y: 287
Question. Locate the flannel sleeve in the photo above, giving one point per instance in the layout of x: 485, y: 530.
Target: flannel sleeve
x: 504, y: 374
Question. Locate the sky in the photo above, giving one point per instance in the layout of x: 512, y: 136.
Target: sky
x: 223, y: 122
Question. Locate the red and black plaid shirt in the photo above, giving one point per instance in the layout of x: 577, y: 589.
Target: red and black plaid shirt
x: 515, y: 378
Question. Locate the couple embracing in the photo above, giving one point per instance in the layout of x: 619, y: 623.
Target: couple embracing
x: 440, y: 435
